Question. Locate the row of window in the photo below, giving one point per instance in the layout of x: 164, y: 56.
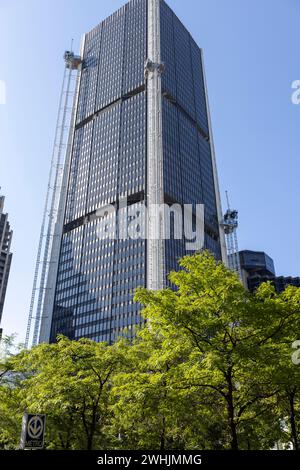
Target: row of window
x: 183, y: 75
x: 123, y: 38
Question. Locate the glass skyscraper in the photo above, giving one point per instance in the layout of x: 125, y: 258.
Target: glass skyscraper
x: 142, y: 134
x: 5, y: 254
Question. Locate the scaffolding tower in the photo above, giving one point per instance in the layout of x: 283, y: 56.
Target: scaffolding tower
x: 230, y: 225
x: 56, y: 191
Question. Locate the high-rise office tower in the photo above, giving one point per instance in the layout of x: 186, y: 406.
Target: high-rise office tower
x: 5, y: 254
x: 258, y: 267
x: 142, y: 137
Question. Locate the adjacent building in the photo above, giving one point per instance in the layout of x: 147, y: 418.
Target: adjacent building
x: 142, y: 137
x: 257, y: 267
x: 5, y: 254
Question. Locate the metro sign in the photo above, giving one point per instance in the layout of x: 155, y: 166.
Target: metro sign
x: 33, y: 431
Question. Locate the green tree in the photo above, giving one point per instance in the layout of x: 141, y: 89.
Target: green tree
x: 229, y: 332
x: 70, y: 382
x: 210, y: 369
x: 150, y: 413
x: 283, y: 373
x: 10, y: 418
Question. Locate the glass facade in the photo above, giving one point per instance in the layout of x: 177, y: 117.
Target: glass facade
x: 5, y: 254
x: 188, y: 170
x: 257, y: 261
x: 258, y: 267
x: 97, y: 276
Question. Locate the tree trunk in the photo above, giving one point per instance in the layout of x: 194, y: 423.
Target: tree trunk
x: 90, y: 443
x: 232, y: 426
x: 162, y: 435
x: 90, y: 431
x: 293, y: 420
x: 90, y: 437
x: 230, y: 413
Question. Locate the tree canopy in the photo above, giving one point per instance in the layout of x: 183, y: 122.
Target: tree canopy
x: 211, y: 368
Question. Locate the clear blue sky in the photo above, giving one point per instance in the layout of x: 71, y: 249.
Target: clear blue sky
x: 252, y: 57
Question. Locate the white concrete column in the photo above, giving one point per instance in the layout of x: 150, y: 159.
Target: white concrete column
x: 155, y: 193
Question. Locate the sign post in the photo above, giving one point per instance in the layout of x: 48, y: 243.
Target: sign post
x: 33, y: 431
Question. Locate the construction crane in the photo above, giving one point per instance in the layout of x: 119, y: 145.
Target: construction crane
x: 230, y: 225
x: 61, y: 147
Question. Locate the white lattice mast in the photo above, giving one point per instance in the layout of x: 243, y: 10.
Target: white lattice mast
x: 61, y: 147
x: 230, y: 225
